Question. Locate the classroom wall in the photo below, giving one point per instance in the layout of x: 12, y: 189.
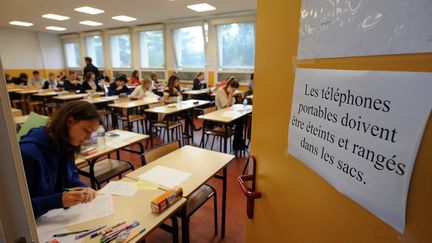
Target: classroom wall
x: 297, y: 204
x: 25, y: 51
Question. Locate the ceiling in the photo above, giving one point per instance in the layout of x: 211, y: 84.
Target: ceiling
x: 145, y: 11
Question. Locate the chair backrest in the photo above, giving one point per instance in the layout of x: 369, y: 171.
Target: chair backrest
x: 160, y: 151
x: 209, y: 109
x: 33, y: 120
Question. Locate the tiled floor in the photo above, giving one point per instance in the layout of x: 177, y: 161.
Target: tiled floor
x: 201, y: 225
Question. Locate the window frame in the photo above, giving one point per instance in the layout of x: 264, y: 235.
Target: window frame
x: 221, y: 69
x: 66, y: 39
x: 102, y: 37
x: 111, y: 33
x: 164, y: 66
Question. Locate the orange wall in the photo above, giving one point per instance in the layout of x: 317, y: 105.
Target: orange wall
x: 44, y: 72
x: 297, y: 205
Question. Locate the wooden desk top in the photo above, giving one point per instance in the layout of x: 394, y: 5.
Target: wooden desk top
x: 202, y: 164
x: 103, y: 99
x: 20, y: 119
x: 135, y: 103
x: 31, y: 91
x: 46, y: 94
x: 130, y: 209
x: 249, y: 97
x: 70, y: 97
x: 237, y: 92
x: 196, y: 92
x: 125, y: 139
x: 176, y: 107
x: 227, y: 115
x: 16, y: 112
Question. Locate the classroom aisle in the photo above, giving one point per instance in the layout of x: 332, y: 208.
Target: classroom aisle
x: 201, y: 225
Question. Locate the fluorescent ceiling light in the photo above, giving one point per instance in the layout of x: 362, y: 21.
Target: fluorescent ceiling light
x: 55, y: 17
x: 90, y: 23
x: 55, y: 28
x: 202, y: 7
x: 89, y: 10
x: 124, y: 18
x: 20, y: 23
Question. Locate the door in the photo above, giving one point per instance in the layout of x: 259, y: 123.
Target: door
x: 297, y: 205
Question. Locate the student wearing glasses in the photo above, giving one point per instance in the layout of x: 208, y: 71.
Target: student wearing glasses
x: 48, y: 153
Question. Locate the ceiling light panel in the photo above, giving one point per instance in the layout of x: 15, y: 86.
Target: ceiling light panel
x: 124, y: 18
x: 90, y: 23
x: 202, y: 7
x: 89, y: 10
x: 21, y: 23
x: 55, y: 17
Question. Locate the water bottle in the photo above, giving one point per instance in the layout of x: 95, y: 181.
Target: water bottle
x: 179, y: 99
x: 101, y: 136
x: 244, y: 104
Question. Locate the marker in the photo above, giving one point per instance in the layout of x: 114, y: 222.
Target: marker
x: 69, y: 233
x: 108, y: 229
x: 89, y: 232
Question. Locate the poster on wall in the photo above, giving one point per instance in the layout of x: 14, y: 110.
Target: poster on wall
x: 360, y: 131
x: 333, y: 28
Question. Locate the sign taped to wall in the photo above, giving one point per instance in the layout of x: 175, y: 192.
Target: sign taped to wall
x: 360, y: 131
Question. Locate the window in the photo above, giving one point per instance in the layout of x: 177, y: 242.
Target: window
x: 189, y: 47
x: 152, y: 49
x: 95, y: 50
x: 121, y: 51
x: 236, y: 45
x: 72, y: 54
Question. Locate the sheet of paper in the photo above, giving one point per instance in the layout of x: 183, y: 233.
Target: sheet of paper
x: 119, y: 188
x: 146, y: 185
x: 165, y: 176
x: 48, y: 236
x: 100, y: 207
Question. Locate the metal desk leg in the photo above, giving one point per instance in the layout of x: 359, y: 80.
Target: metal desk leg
x: 224, y: 192
x: 174, y: 228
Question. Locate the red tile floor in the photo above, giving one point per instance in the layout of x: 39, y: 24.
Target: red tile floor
x: 201, y: 224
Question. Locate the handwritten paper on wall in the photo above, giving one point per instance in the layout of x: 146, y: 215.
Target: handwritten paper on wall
x: 360, y: 131
x: 364, y: 27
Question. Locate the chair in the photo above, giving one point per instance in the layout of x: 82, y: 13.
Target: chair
x: 34, y: 120
x: 104, y: 170
x: 129, y: 119
x: 196, y: 199
x: 210, y: 130
x: 165, y: 126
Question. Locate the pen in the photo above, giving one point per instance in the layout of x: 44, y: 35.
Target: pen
x: 69, y: 233
x: 89, y: 232
x: 108, y: 229
x: 73, y: 190
x: 136, y: 235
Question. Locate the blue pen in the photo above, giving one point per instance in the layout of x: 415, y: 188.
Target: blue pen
x: 89, y: 232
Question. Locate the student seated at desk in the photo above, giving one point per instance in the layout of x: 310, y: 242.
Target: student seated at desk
x: 21, y: 80
x: 89, y: 84
x: 134, y: 80
x: 154, y: 80
x: 73, y: 83
x: 48, y: 156
x: 119, y: 86
x: 224, y: 99
x: 173, y: 90
x: 144, y: 90
x: 36, y: 81
x: 51, y: 82
x: 197, y: 83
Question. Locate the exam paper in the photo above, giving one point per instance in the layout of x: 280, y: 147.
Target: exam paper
x: 146, y: 185
x: 119, y: 188
x: 165, y: 176
x: 100, y: 207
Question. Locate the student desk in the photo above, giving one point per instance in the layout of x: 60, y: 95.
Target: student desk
x: 134, y: 208
x: 196, y: 93
x: 100, y: 100
x: 19, y: 120
x: 178, y: 107
x: 16, y: 112
x: 25, y: 98
x: 202, y: 164
x: 13, y: 90
x: 114, y: 144
x: 237, y: 92
x: 226, y: 116
x: 134, y: 103
x: 64, y: 98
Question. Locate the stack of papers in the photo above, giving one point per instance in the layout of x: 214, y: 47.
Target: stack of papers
x: 165, y: 176
x: 119, y: 188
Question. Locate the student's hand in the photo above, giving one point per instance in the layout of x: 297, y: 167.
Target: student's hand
x: 89, y: 194
x: 119, y: 87
x: 72, y: 198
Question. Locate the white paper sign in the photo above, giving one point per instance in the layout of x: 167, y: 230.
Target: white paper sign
x: 360, y: 131
x: 364, y: 27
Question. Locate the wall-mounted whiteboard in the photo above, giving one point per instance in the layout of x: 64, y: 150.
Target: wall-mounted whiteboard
x: 341, y: 28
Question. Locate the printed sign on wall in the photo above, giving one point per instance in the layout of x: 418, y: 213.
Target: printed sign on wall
x: 360, y: 131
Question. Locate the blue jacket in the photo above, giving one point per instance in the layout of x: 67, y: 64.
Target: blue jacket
x: 112, y: 90
x: 48, y: 171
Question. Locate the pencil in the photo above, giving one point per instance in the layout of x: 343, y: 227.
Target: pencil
x: 136, y: 235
